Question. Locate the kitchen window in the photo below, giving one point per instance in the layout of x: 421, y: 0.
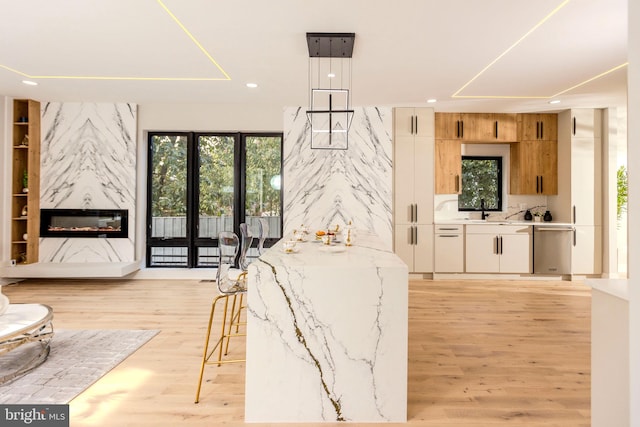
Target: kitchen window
x: 481, y: 180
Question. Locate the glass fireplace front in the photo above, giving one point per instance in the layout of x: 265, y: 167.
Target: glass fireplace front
x: 84, y: 223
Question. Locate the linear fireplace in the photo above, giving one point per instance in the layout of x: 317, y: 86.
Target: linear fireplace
x: 84, y: 223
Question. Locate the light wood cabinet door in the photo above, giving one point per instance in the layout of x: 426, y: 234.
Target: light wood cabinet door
x: 533, y: 127
x: 506, y: 127
x: 448, y: 126
x: 448, y: 166
x: 534, y: 168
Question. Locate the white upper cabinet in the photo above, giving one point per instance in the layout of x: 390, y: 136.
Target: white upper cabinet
x: 415, y: 122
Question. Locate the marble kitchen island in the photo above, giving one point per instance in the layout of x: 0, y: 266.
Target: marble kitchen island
x: 327, y: 334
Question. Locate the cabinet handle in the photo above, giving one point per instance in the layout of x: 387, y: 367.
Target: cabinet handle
x: 415, y: 231
x: 574, y: 126
x: 416, y: 124
x: 448, y: 235
x: 411, y: 125
x: 411, y: 235
x: 457, y: 183
x: 537, y: 130
x: 575, y: 237
x: 495, y: 245
x: 447, y: 229
x: 496, y: 127
x: 541, y: 130
x: 541, y: 184
x: 415, y: 216
x: 457, y: 128
x: 500, y: 245
x: 461, y: 129
x: 574, y: 214
x: 411, y: 212
x: 537, y: 184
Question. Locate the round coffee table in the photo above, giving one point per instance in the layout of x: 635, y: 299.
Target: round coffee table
x: 22, y: 324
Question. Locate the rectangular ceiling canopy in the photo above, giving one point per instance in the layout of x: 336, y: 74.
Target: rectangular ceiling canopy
x: 330, y: 45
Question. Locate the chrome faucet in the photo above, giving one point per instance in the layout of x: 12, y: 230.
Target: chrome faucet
x: 482, y: 208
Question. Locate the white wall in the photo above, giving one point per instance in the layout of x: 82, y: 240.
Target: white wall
x: 633, y: 149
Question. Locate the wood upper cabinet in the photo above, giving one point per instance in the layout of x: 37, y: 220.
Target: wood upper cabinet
x: 534, y: 167
x: 542, y: 127
x: 448, y: 166
x: 476, y: 127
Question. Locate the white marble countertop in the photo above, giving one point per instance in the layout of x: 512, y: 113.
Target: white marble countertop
x: 327, y: 334
x: 367, y: 251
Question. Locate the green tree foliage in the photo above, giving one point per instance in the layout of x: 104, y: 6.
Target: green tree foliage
x: 169, y: 169
x: 480, y: 180
x: 216, y: 173
x: 622, y: 190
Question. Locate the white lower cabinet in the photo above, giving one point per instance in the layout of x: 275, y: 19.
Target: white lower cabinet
x: 498, y: 249
x: 414, y: 245
x: 449, y: 249
x: 585, y: 255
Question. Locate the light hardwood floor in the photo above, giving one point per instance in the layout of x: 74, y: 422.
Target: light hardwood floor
x: 481, y: 353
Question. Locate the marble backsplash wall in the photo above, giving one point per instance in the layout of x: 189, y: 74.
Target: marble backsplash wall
x: 323, y: 188
x: 88, y: 161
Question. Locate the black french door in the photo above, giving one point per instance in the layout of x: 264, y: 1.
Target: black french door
x: 202, y: 183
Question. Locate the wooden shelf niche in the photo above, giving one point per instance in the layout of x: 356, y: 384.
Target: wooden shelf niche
x: 25, y: 200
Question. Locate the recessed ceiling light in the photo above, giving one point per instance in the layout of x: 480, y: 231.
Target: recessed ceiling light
x: 554, y: 101
x: 29, y: 83
x: 252, y: 85
x: 331, y: 75
x: 432, y: 100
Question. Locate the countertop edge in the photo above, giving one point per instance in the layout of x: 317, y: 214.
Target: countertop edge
x: 615, y: 287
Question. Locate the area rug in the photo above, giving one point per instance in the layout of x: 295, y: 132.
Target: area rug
x: 78, y: 358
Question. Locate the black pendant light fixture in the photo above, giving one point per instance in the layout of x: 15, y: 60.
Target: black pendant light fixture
x: 330, y: 111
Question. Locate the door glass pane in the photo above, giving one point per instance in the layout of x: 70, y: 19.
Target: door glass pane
x: 168, y: 186
x: 263, y: 178
x: 216, y: 186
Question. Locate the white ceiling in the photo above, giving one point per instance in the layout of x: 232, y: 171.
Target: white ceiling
x: 405, y: 52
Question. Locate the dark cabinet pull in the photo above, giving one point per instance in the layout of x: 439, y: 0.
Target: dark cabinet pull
x: 537, y: 184
x: 495, y: 245
x: 541, y: 184
x: 541, y: 130
x: 537, y: 130
x: 500, y: 245
x: 574, y: 214
x: 416, y: 124
x: 411, y: 125
x: 411, y: 235
x: 457, y: 128
x: 415, y: 231
x: 575, y: 238
x: 574, y: 126
x: 415, y: 207
x: 461, y: 129
x: 496, y: 127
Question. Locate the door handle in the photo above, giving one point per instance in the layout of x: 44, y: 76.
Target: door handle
x: 411, y: 235
x: 575, y: 237
x: 415, y: 231
x: 496, y: 129
x: 537, y: 184
x: 411, y: 125
x: 574, y: 214
x: 574, y: 126
x: 541, y: 130
x: 495, y: 245
x: 457, y: 128
x: 416, y: 124
x: 541, y: 184
x: 500, y: 245
x: 461, y: 129
x: 537, y: 130
x: 415, y: 216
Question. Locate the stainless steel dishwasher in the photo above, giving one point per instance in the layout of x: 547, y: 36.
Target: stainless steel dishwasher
x: 552, y: 248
